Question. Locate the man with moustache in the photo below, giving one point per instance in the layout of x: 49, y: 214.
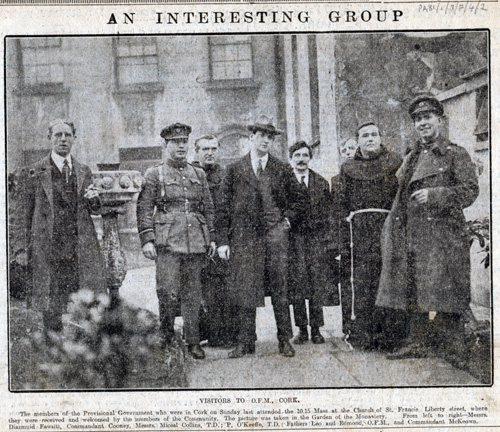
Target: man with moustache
x: 260, y: 202
x: 426, y: 256
x: 310, y: 273
x: 175, y: 217
x: 217, y: 322
x: 368, y: 185
x: 53, y: 233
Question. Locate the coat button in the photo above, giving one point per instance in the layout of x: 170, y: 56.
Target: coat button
x: 429, y: 218
x: 189, y: 225
x: 440, y: 169
x: 425, y: 151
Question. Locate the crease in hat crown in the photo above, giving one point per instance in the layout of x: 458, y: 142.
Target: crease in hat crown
x: 176, y: 131
x: 264, y: 123
x: 425, y: 103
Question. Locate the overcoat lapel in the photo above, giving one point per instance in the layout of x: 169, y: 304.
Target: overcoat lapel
x: 46, y: 180
x: 80, y: 174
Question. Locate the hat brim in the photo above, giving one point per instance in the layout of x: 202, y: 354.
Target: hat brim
x: 426, y: 110
x: 266, y: 129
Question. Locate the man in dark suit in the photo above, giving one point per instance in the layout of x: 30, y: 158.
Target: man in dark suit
x: 260, y: 201
x: 53, y: 232
x: 311, y: 263
x: 216, y: 323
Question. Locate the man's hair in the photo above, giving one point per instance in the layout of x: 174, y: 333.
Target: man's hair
x: 362, y: 125
x: 62, y: 121
x: 297, y: 146
x: 203, y: 138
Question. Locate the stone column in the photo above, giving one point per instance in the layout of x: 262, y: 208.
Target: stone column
x: 327, y: 161
x: 289, y: 90
x: 303, y: 89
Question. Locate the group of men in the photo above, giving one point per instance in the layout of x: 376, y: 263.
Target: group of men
x: 223, y: 239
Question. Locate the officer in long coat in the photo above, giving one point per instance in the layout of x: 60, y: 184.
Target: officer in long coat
x: 52, y: 230
x: 260, y: 201
x: 425, y: 247
x: 175, y: 217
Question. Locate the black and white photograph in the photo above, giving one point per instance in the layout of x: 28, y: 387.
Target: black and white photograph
x: 248, y: 211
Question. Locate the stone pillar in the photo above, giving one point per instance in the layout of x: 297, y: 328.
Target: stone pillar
x: 327, y: 160
x: 289, y: 90
x: 117, y: 189
x: 303, y: 89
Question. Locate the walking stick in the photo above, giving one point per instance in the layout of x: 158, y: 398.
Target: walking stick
x: 351, y: 245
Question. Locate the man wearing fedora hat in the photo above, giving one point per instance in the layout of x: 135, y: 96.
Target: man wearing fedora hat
x: 175, y: 216
x: 425, y: 247
x: 260, y: 201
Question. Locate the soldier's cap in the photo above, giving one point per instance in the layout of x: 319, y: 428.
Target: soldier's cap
x: 264, y: 123
x: 176, y: 131
x: 425, y: 103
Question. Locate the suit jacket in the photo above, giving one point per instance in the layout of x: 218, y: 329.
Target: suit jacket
x: 240, y: 221
x: 33, y: 224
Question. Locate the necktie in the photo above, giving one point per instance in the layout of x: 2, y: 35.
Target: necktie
x: 303, y: 180
x: 66, y: 170
x: 260, y: 169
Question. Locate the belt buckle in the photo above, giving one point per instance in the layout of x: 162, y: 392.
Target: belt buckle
x: 186, y: 206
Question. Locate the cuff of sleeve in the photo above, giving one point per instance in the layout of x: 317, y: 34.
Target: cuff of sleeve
x: 147, y: 236
x: 440, y: 196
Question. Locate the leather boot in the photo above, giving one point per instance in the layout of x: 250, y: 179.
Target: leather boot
x: 196, y: 351
x: 302, y: 337
x: 316, y: 336
x: 286, y: 349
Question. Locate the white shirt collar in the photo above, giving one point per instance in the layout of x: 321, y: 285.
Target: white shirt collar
x: 59, y: 161
x: 300, y: 175
x: 255, y: 161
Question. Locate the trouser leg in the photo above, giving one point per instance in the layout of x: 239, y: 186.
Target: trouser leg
x: 63, y: 282
x: 167, y: 288
x: 245, y: 321
x: 300, y: 313
x: 315, y: 313
x: 191, y: 293
x: 277, y: 267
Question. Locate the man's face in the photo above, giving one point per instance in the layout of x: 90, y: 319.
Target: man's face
x: 207, y: 152
x: 177, y: 148
x: 369, y: 140
x: 348, y: 150
x: 62, y: 139
x: 300, y: 159
x: 427, y: 125
x: 261, y: 142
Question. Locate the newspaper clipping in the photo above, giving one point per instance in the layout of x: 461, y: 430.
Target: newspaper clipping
x: 249, y: 215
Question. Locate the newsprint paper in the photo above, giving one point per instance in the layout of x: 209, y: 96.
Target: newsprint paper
x: 327, y: 249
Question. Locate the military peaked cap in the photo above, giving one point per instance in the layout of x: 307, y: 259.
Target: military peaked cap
x: 176, y: 131
x: 425, y: 103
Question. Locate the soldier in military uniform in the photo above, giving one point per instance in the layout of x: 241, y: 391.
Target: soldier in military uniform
x: 425, y: 247
x: 216, y: 323
x: 175, y: 216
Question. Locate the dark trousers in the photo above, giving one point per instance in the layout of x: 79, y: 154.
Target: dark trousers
x: 275, y: 255
x: 217, y: 323
x: 178, y: 276
x: 63, y: 282
x: 306, y: 276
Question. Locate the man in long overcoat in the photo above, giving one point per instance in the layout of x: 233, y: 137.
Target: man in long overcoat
x: 260, y: 201
x: 53, y: 232
x: 425, y: 247
x: 312, y: 263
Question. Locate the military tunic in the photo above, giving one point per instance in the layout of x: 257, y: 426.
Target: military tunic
x: 175, y: 211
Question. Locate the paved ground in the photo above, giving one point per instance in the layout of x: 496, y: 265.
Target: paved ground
x: 313, y: 366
